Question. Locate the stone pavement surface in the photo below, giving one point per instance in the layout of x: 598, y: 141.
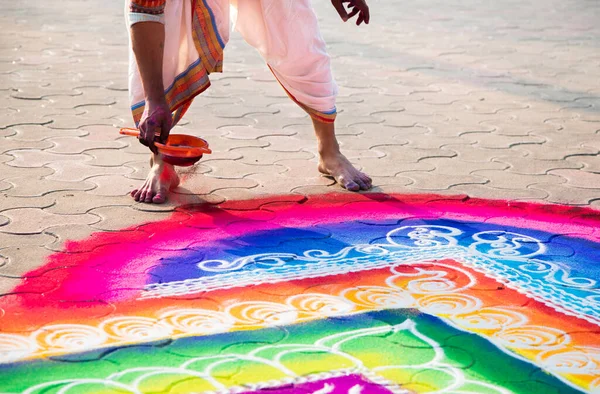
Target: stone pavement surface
x: 495, y: 101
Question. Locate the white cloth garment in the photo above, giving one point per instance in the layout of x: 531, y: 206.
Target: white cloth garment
x: 285, y: 33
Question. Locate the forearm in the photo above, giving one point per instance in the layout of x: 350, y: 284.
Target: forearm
x: 148, y: 41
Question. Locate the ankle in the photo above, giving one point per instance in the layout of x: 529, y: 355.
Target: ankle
x: 328, y: 148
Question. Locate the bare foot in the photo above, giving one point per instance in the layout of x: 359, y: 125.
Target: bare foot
x: 161, y: 179
x: 339, y: 167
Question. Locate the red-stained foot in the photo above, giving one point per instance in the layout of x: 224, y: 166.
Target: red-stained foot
x: 339, y: 167
x: 161, y: 179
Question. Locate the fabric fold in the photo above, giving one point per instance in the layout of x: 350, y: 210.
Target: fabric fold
x: 285, y: 33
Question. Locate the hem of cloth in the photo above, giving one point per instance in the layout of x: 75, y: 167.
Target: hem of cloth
x: 319, y: 116
x: 136, y: 17
x: 194, y: 80
x: 182, y: 91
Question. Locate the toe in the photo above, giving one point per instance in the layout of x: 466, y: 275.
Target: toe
x: 159, y: 198
x: 352, y: 186
x: 133, y: 193
x: 149, y: 196
x: 368, y: 183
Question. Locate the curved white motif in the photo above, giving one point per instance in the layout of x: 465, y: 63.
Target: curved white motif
x: 70, y: 337
x: 558, y: 275
x: 449, y: 304
x: 375, y: 297
x: 532, y: 337
x: 429, y: 281
x: 15, y: 347
x: 425, y: 236
x: 135, y: 328
x: 324, y: 305
x: 506, y: 244
x: 72, y: 383
x: 262, y: 313
x: 595, y: 386
x: 198, y: 321
x: 493, y: 318
x: 581, y: 360
x: 263, y: 259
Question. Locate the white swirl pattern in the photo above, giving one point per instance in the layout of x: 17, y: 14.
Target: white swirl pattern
x: 70, y: 337
x: 131, y: 328
x: 532, y: 337
x: 493, y: 318
x: 15, y: 347
x: 274, y: 356
x: 506, y: 256
x: 198, y: 321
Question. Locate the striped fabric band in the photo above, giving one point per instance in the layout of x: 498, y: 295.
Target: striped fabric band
x: 186, y: 86
x: 323, y: 117
x: 153, y: 7
x: 194, y: 80
x: 206, y: 37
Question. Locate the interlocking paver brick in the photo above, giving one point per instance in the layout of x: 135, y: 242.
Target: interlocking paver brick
x: 75, y: 145
x: 206, y: 184
x: 237, y: 169
x: 563, y: 194
x: 115, y: 157
x: 522, y: 164
x: 485, y: 191
x: 39, y: 133
x: 113, y: 218
x: 251, y: 133
x: 28, y: 158
x: 590, y: 163
x: 9, y: 145
x: 579, y: 178
x: 77, y: 202
x: 285, y: 183
x: 507, y: 180
x: 35, y: 220
x: 112, y: 185
x: 258, y: 156
x: 428, y: 180
x: 75, y: 171
x: 11, y: 202
x: 384, y: 168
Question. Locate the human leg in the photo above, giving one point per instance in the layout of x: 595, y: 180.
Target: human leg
x: 286, y: 34
x: 160, y: 90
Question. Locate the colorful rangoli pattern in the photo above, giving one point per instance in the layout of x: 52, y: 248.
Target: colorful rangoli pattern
x: 331, y: 294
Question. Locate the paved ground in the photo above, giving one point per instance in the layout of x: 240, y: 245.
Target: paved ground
x: 501, y: 101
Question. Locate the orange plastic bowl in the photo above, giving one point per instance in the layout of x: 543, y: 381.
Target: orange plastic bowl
x: 180, y: 150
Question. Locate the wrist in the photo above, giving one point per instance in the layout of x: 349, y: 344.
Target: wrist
x: 155, y: 96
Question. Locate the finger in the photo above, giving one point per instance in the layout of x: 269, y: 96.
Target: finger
x: 339, y: 7
x: 147, y: 135
x: 354, y: 11
x: 367, y: 14
x: 360, y: 19
x: 165, y: 129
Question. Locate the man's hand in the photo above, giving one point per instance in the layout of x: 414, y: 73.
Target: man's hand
x: 155, y: 124
x: 355, y: 7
